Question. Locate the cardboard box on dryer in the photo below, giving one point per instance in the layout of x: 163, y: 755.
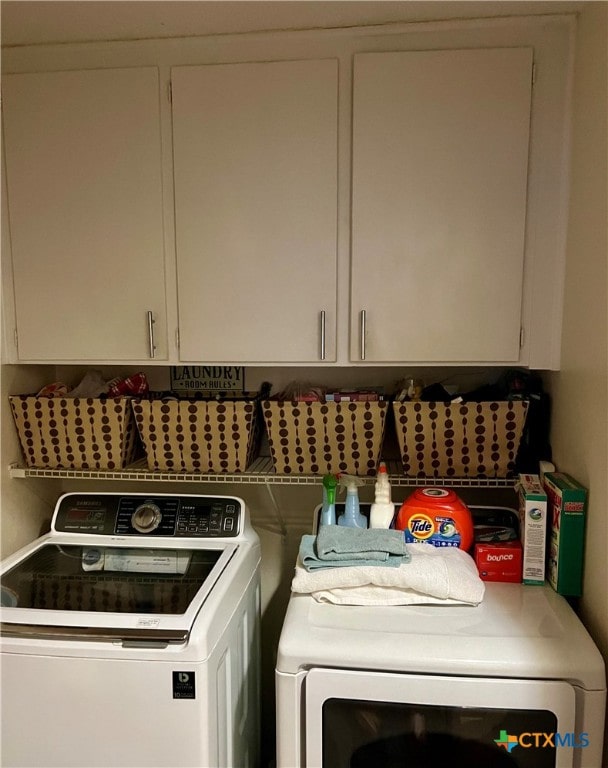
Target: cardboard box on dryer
x: 532, y: 528
x: 499, y: 560
x: 567, y: 511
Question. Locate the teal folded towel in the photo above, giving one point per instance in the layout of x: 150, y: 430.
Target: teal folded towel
x: 339, y: 542
x: 312, y: 562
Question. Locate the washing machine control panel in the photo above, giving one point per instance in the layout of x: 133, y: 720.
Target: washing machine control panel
x: 139, y: 515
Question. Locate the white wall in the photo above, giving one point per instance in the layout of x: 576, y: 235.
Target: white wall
x: 580, y: 389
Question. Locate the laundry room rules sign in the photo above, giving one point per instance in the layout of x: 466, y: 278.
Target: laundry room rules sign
x: 207, y: 378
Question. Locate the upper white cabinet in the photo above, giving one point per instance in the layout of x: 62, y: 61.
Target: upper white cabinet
x: 394, y: 196
x: 440, y: 168
x: 255, y: 168
x: 83, y: 164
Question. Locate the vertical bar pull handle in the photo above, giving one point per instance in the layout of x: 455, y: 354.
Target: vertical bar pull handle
x: 152, y: 345
x: 363, y: 323
x: 322, y: 345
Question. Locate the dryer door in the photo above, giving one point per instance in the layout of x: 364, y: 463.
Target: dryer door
x: 360, y: 719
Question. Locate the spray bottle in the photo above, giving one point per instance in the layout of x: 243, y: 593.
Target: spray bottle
x: 352, y: 517
x: 382, y: 510
x: 328, y: 510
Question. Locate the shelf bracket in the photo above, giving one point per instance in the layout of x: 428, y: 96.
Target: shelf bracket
x: 277, y: 511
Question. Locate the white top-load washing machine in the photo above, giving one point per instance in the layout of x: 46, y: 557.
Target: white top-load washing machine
x: 130, y: 635
x: 514, y: 681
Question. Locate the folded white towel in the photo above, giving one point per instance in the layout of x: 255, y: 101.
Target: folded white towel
x: 447, y: 574
x: 369, y: 594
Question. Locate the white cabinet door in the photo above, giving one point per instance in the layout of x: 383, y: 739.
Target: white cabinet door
x: 440, y: 159
x: 83, y: 163
x: 255, y: 154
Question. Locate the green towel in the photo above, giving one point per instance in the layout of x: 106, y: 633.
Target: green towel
x: 339, y: 542
x: 312, y: 562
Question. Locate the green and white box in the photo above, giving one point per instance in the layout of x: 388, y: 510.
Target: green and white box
x: 532, y: 528
x: 567, y: 512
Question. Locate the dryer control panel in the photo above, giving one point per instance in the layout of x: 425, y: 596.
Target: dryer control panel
x: 139, y: 515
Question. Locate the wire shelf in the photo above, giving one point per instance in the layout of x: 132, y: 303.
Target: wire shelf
x: 260, y: 472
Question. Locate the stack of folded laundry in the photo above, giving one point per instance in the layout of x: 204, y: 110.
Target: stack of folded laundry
x: 354, y: 566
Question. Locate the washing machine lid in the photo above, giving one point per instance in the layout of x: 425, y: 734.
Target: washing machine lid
x: 92, y: 591
x: 98, y: 576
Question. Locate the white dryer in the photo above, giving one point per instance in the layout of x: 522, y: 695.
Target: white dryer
x: 130, y: 635
x: 515, y: 681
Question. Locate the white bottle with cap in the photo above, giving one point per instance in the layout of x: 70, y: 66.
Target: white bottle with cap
x: 382, y: 510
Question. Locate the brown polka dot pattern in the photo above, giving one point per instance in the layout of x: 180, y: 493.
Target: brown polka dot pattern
x: 316, y: 438
x: 75, y: 433
x: 198, y: 435
x: 459, y: 440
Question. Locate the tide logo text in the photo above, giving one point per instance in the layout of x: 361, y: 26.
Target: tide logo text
x: 421, y: 526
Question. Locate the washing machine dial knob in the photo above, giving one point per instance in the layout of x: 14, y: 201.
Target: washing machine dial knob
x: 146, y: 518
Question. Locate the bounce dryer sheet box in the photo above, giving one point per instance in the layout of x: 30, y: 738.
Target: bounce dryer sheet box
x: 532, y: 528
x: 499, y: 561
x: 567, y: 512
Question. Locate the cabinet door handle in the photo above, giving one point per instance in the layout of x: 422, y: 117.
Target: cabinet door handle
x: 363, y: 324
x: 152, y: 345
x: 322, y: 349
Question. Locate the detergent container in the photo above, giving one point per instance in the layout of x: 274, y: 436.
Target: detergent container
x: 382, y: 510
x: 436, y: 516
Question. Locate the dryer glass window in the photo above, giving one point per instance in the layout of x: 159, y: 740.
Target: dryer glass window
x: 108, y: 579
x: 360, y: 734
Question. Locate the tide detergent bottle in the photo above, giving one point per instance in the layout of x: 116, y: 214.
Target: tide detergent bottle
x: 436, y: 516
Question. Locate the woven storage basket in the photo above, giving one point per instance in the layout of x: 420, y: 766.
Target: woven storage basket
x: 75, y: 433
x: 459, y: 440
x: 198, y: 435
x: 316, y: 438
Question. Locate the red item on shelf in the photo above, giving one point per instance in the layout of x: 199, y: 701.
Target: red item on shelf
x: 132, y: 385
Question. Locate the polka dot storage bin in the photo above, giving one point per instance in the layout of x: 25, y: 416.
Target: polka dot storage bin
x: 198, y: 435
x: 459, y: 440
x: 317, y: 438
x: 75, y: 433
